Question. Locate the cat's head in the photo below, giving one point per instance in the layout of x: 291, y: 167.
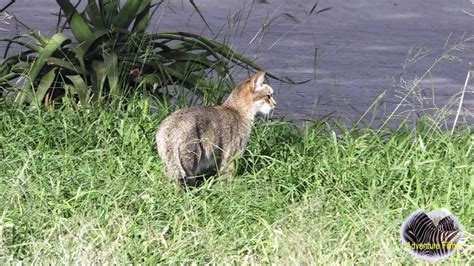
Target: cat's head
x: 262, y: 94
x: 252, y: 96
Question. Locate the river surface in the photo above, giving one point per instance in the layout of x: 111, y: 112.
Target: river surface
x: 352, y: 53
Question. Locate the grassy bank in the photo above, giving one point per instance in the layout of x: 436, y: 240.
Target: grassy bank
x: 87, y: 186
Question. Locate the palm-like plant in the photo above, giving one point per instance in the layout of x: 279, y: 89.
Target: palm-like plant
x: 111, y: 52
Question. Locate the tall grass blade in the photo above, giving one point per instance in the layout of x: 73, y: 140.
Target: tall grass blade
x: 200, y: 14
x: 313, y: 8
x: 461, y: 100
x: 323, y: 10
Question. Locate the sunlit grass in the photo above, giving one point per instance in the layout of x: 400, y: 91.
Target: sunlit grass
x: 87, y: 186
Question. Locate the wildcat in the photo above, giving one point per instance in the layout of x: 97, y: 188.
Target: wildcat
x: 201, y: 141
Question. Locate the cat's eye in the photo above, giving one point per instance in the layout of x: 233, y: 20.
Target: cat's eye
x: 269, y: 96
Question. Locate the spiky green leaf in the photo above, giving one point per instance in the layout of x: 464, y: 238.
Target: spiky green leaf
x: 95, y: 16
x: 53, y: 44
x: 44, y: 86
x: 80, y: 88
x: 53, y: 61
x: 79, y: 26
x: 127, y: 14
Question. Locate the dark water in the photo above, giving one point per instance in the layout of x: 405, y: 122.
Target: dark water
x: 361, y: 47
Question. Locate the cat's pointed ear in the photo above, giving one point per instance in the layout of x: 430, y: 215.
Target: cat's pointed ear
x: 256, y: 82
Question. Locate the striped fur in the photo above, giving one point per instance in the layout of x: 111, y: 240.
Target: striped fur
x: 199, y: 142
x: 428, y: 240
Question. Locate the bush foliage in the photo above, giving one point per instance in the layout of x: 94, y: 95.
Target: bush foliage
x: 111, y: 53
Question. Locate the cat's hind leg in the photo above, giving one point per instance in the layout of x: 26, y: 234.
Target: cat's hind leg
x: 190, y: 162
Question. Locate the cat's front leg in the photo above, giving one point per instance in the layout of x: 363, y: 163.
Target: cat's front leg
x: 227, y: 165
x: 228, y: 168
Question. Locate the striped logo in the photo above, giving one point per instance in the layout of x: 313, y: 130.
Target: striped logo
x: 432, y: 236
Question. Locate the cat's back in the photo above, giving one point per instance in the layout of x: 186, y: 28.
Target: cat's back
x: 211, y: 122
x: 188, y: 118
x: 192, y: 114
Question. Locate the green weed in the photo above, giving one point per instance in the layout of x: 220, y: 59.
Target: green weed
x: 86, y: 186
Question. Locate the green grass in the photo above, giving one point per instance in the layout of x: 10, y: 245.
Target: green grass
x: 88, y: 186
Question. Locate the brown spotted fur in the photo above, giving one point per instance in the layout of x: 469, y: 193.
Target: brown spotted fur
x: 201, y: 141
